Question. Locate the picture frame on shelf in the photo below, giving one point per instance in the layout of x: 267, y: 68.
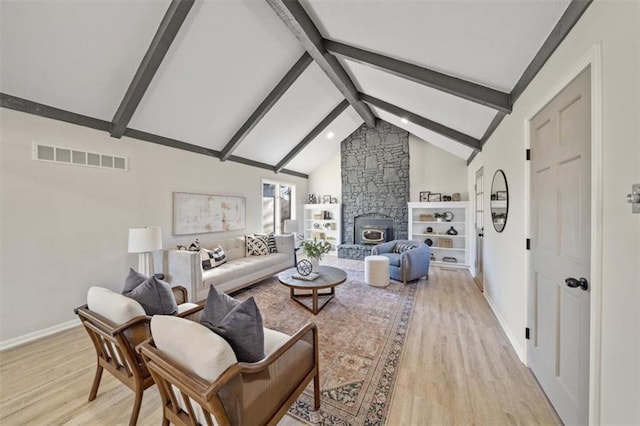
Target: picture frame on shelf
x: 434, y: 197
x: 326, y: 199
x: 424, y: 196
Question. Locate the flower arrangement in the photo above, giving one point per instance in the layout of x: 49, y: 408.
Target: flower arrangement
x: 315, y: 249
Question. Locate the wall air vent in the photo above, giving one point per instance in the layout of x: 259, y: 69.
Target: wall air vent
x: 57, y: 154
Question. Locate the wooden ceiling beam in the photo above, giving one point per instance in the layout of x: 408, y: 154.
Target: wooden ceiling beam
x: 300, y: 24
x: 46, y: 111
x: 452, y: 85
x: 167, y: 31
x: 264, y: 107
x: 569, y: 18
x: 41, y: 110
x: 443, y: 130
x: 312, y: 135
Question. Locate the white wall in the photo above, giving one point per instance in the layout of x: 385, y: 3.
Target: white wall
x: 326, y: 179
x: 64, y: 228
x: 433, y: 169
x: 616, y: 26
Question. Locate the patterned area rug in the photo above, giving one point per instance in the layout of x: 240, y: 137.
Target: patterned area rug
x: 362, y: 332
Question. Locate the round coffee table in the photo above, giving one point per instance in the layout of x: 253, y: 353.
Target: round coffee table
x: 329, y: 278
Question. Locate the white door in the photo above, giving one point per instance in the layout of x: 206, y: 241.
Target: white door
x: 479, y: 228
x: 558, y: 349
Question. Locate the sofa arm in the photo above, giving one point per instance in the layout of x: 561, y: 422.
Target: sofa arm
x: 285, y: 244
x: 383, y: 248
x: 184, y: 268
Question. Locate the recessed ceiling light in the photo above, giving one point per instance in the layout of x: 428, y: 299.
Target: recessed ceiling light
x: 404, y: 120
x: 330, y: 135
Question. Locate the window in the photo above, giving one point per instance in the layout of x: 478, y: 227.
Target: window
x: 278, y: 205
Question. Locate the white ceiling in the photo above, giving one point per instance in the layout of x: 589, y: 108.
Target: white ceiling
x: 306, y: 103
x: 70, y: 55
x: 465, y: 116
x: 81, y: 56
x: 490, y: 42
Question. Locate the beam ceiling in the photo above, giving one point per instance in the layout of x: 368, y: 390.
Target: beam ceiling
x: 312, y: 135
x: 455, y: 86
x: 566, y: 22
x: 41, y: 110
x: 300, y: 24
x: 167, y: 31
x: 290, y: 77
x: 448, y: 132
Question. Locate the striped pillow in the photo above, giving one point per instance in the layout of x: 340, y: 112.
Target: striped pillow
x: 212, y: 258
x: 402, y: 247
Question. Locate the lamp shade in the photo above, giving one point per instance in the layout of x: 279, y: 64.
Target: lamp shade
x: 143, y: 240
x: 290, y: 225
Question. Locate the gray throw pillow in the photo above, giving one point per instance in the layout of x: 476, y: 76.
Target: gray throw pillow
x: 155, y: 296
x: 133, y: 280
x: 239, y: 323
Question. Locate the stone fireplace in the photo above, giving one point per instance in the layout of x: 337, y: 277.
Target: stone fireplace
x: 375, y: 187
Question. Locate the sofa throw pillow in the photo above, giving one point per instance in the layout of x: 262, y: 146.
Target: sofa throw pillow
x: 212, y: 258
x: 133, y: 280
x: 155, y: 296
x: 402, y: 247
x: 256, y: 245
x: 271, y: 241
x: 239, y: 323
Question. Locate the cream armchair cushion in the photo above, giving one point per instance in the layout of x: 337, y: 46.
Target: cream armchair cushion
x: 200, y: 349
x: 113, y: 306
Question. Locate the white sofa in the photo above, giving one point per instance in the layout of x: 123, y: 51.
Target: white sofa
x: 185, y: 268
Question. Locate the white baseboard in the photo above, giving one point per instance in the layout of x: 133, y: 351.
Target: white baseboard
x: 30, y: 337
x: 512, y: 339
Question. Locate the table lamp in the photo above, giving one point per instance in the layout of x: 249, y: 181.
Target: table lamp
x: 144, y: 241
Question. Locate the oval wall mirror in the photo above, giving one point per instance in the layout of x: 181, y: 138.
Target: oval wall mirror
x: 499, y: 201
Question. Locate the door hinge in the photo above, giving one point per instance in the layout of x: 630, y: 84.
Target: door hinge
x: 528, y: 153
x: 528, y: 243
x: 526, y: 333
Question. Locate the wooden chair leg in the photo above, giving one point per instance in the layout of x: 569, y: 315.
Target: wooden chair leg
x: 165, y: 421
x: 316, y: 391
x: 136, y: 407
x: 96, y: 383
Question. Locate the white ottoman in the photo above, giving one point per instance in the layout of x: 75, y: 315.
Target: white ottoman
x: 376, y: 271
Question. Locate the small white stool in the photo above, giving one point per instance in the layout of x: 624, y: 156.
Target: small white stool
x: 376, y: 271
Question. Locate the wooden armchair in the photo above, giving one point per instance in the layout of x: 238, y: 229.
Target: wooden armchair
x: 116, y: 324
x: 200, y: 384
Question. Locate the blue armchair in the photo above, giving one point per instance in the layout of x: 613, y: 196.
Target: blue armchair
x: 409, y: 265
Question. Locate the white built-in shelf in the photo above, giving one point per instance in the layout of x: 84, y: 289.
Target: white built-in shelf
x: 460, y: 222
x: 315, y: 214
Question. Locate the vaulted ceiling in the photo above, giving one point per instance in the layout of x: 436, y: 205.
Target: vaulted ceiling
x: 276, y: 83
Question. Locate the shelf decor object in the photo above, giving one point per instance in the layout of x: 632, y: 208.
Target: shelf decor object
x: 144, y: 241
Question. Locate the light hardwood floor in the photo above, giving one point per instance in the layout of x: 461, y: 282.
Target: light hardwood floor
x: 458, y: 368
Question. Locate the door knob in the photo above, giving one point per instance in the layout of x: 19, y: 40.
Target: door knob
x: 573, y: 283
